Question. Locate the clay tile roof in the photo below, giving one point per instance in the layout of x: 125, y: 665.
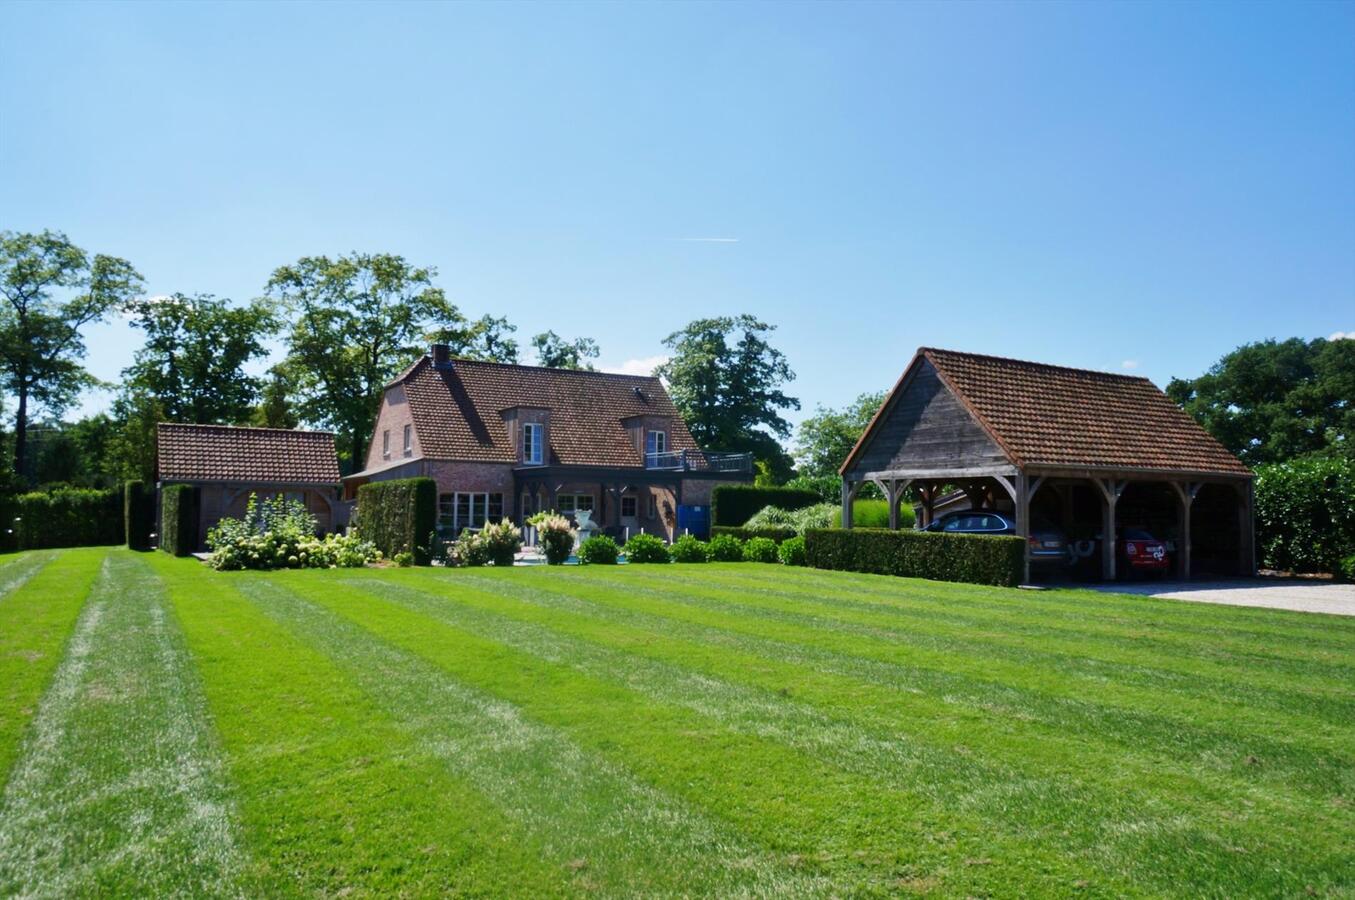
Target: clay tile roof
x: 228, y: 453
x: 1054, y: 416
x: 458, y: 411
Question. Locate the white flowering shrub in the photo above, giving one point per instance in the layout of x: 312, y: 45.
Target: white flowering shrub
x: 277, y: 533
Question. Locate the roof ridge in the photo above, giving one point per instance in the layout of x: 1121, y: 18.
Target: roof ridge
x: 243, y: 428
x: 457, y: 360
x: 1034, y: 364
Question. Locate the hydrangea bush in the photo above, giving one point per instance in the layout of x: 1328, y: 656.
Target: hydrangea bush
x: 555, y: 535
x: 277, y: 533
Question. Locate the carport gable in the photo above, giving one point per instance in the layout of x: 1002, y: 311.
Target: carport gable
x: 924, y: 425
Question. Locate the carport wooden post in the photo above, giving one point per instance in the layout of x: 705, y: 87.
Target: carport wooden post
x: 848, y: 492
x: 897, y: 487
x: 1246, y: 531
x: 1185, y: 493
x: 1110, y: 492
x: 1022, y: 500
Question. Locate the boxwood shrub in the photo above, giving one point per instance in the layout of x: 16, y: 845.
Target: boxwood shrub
x: 398, y: 516
x: 792, y: 551
x: 760, y: 549
x: 646, y: 548
x: 689, y: 549
x: 978, y: 559
x: 178, y: 519
x: 138, y: 514
x: 725, y: 548
x: 777, y: 535
x: 733, y: 504
x: 599, y: 550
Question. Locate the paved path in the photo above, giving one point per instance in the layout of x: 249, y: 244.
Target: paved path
x: 1272, y: 593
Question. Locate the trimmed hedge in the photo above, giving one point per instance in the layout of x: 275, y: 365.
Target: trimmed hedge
x: 1305, y: 514
x: 66, y: 517
x: 977, y: 559
x: 398, y: 516
x: 733, y: 504
x: 178, y: 519
x: 746, y: 534
x: 138, y: 514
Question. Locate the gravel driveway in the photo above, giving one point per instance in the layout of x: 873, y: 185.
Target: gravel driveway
x: 1300, y: 595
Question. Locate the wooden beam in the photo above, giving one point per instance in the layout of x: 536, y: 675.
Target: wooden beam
x: 938, y: 474
x: 1009, y: 484
x: 1022, y: 500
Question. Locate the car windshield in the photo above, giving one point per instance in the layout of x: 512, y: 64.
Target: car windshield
x: 1136, y: 534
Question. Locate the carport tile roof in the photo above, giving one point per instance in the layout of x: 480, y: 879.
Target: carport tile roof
x: 230, y: 453
x: 457, y: 411
x: 1055, y: 416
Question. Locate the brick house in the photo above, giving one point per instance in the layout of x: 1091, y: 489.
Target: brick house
x: 505, y: 440
x: 227, y: 463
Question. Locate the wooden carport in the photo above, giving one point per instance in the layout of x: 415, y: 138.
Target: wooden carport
x: 985, y: 424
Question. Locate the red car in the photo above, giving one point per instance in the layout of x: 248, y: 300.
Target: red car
x: 1142, y: 552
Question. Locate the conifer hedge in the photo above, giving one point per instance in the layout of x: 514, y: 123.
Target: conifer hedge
x: 64, y: 517
x: 138, y: 514
x: 178, y: 519
x: 398, y: 516
x: 973, y: 558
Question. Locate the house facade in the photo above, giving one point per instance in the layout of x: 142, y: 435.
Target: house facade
x: 225, y: 464
x: 505, y: 441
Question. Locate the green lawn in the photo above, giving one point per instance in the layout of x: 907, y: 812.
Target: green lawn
x: 710, y: 730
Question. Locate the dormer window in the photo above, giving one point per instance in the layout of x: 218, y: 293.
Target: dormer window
x: 409, y: 440
x: 656, y: 445
x: 533, y: 443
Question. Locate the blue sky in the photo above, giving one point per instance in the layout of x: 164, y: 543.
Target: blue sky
x: 1116, y: 186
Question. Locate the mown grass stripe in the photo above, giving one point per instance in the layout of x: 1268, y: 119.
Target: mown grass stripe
x: 993, y: 655
x: 1175, y: 722
x: 1056, y: 802
x: 16, y: 572
x: 119, y: 789
x: 336, y: 798
x: 36, y: 620
x: 864, y: 831
x: 1019, y: 615
x: 1077, y: 608
x: 630, y: 838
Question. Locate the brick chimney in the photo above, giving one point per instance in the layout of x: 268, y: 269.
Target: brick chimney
x: 442, y: 356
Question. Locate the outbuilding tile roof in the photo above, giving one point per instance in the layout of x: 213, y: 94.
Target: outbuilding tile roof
x: 1055, y: 416
x: 458, y: 411
x: 229, y: 453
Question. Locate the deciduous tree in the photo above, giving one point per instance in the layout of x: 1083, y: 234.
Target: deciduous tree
x: 824, y: 439
x: 727, y: 381
x: 52, y: 289
x: 554, y: 352
x: 1273, y: 401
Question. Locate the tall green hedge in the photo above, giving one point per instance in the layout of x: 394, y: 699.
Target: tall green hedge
x: 1305, y: 514
x: 65, y: 517
x: 178, y: 519
x: 732, y: 504
x: 138, y: 514
x: 398, y: 516
x: 977, y: 559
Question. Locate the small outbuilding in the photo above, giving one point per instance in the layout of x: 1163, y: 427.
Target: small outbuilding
x: 225, y: 464
x: 1091, y: 451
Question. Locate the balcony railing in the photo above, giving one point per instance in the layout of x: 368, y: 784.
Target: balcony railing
x: 699, y: 461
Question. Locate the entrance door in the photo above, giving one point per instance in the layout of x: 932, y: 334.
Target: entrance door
x: 630, y: 515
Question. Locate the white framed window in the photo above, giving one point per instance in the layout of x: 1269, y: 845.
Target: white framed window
x: 656, y: 444
x: 629, y: 507
x: 568, y: 504
x: 467, y: 509
x: 386, y: 444
x: 409, y: 440
x: 532, y: 443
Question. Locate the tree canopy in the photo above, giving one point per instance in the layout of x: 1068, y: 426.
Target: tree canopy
x: 554, y: 352
x: 359, y: 319
x: 52, y: 289
x: 727, y: 380
x: 1273, y: 401
x: 824, y: 439
x: 193, y: 360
